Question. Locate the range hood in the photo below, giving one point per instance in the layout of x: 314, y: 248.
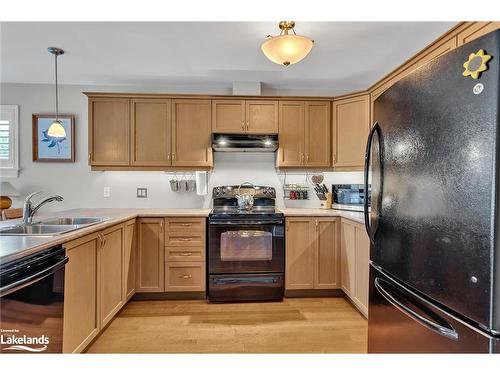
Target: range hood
x: 244, y: 142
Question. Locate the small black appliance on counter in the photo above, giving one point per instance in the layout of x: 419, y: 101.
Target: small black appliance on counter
x: 350, y: 197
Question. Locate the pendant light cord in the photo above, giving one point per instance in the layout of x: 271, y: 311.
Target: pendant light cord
x: 57, y: 96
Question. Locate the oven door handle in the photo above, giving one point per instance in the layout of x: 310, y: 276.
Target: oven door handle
x: 10, y: 288
x: 246, y: 222
x: 245, y: 280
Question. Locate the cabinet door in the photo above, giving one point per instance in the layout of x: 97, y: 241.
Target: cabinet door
x: 150, y: 140
x: 317, y: 134
x: 351, y: 119
x: 327, y: 253
x: 291, y: 134
x: 191, y: 143
x: 347, y: 258
x: 129, y: 259
x: 110, y: 268
x: 109, y: 131
x: 261, y: 116
x: 476, y: 30
x: 362, y: 250
x: 81, y: 323
x: 228, y: 116
x: 300, y: 253
x: 150, y: 255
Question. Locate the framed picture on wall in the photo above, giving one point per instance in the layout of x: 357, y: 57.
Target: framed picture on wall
x: 53, y: 149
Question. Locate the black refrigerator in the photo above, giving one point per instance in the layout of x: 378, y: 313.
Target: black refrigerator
x: 434, y: 222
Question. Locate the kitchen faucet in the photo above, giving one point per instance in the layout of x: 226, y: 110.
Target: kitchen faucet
x: 29, y: 210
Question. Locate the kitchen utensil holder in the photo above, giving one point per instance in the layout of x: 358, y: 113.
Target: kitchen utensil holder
x: 327, y: 203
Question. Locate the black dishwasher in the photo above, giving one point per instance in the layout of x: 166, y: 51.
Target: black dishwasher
x: 32, y: 303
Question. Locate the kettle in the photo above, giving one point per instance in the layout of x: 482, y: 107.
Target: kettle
x: 245, y: 201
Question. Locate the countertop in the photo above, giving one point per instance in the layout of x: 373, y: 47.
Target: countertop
x: 14, y: 247
x: 350, y: 215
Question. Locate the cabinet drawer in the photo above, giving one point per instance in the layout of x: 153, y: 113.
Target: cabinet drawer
x: 184, y: 276
x: 185, y: 253
x: 184, y: 239
x: 185, y: 224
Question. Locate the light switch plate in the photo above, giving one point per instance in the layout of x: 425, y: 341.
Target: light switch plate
x: 142, y: 192
x: 107, y: 192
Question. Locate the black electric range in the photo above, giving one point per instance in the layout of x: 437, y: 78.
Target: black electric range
x: 246, y: 252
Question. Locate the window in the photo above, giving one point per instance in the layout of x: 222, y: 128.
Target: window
x: 9, y: 140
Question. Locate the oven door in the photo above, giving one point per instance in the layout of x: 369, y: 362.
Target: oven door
x: 246, y: 246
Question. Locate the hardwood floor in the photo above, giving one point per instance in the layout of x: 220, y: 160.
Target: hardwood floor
x: 296, y: 325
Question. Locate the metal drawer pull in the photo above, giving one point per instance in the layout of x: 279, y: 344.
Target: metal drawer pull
x: 186, y: 277
x: 186, y: 254
x: 185, y: 239
x: 184, y: 225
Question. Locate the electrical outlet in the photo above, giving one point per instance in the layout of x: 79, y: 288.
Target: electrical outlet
x: 142, y: 192
x: 107, y: 192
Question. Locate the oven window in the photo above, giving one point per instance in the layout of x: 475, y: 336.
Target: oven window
x: 246, y: 245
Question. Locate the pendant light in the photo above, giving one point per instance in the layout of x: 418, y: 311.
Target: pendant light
x: 56, y: 129
x: 287, y: 48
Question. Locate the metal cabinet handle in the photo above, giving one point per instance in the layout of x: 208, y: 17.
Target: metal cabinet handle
x: 186, y: 254
x: 186, y: 277
x: 248, y: 125
x: 184, y: 239
x: 184, y: 224
x: 243, y: 125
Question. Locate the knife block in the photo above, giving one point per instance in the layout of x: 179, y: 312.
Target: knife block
x: 327, y: 203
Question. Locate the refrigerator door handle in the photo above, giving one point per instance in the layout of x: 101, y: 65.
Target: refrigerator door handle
x: 448, y: 332
x: 375, y: 128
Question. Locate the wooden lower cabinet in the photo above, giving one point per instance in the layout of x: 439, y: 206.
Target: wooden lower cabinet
x: 184, y: 276
x: 312, y: 255
x: 129, y: 258
x: 327, y: 252
x: 150, y: 255
x: 355, y: 257
x: 299, y: 253
x: 81, y: 323
x: 110, y: 266
x: 185, y: 254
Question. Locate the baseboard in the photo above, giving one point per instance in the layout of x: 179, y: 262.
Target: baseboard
x: 292, y: 293
x: 168, y: 296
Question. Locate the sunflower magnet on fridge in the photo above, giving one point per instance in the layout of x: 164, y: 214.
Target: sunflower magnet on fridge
x: 476, y: 64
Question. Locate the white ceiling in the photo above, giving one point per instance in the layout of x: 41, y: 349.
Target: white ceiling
x: 347, y: 56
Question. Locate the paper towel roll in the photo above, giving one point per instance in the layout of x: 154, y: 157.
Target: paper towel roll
x: 201, y: 183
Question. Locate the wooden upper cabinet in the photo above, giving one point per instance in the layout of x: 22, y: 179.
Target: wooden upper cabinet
x: 150, y: 140
x: 261, y: 116
x: 476, y: 30
x: 291, y: 134
x: 351, y: 123
x: 317, y: 134
x: 327, y: 253
x: 109, y: 131
x: 245, y: 116
x: 300, y: 255
x: 191, y: 133
x: 228, y: 116
x: 150, y: 255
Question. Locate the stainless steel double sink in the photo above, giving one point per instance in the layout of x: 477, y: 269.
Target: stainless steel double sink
x: 51, y: 227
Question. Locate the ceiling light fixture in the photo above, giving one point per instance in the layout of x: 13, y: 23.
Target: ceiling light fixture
x: 287, y: 48
x: 56, y: 129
